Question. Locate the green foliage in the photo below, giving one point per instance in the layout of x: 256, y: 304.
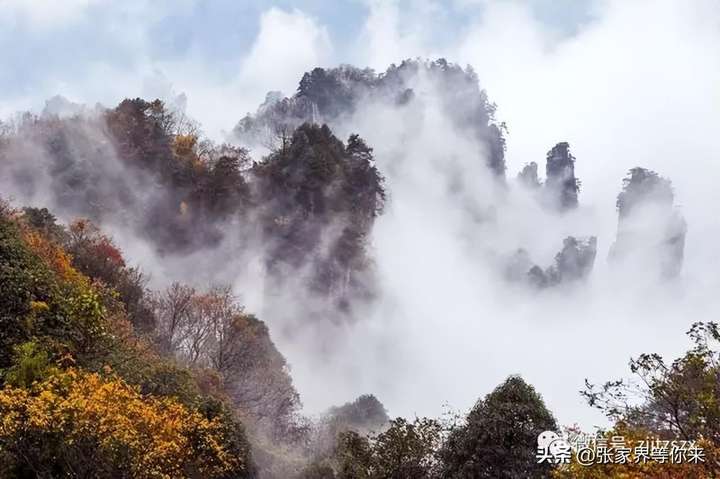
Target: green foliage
x: 673, y: 401
x: 354, y: 456
x: 313, y: 188
x: 31, y: 299
x: 328, y: 95
x: 31, y: 364
x: 405, y: 449
x: 499, y: 437
x: 320, y: 199
x: 366, y: 413
x: 202, y: 183
x: 51, y: 317
x: 45, y: 222
x: 96, y: 256
x: 224, y: 189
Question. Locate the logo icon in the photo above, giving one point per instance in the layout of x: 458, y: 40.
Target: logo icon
x: 553, y: 449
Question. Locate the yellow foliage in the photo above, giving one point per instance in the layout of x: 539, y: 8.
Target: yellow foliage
x: 152, y: 437
x: 184, y: 145
x: 83, y: 300
x: 39, y: 306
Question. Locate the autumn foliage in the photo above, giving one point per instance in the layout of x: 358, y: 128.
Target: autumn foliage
x: 82, y: 394
x: 637, y: 469
x: 79, y: 421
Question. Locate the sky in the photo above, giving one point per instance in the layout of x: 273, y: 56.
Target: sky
x: 102, y: 50
x: 627, y: 83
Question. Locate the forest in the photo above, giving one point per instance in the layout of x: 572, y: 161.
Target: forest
x: 115, y: 368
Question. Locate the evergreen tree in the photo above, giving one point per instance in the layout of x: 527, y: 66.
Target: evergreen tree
x: 499, y: 438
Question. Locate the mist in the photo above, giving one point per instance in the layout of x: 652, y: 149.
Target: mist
x: 635, y: 85
x: 446, y: 330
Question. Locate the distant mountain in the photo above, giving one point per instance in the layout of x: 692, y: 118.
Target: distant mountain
x: 333, y: 95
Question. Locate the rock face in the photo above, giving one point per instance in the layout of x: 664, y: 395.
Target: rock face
x: 528, y: 177
x: 332, y: 95
x: 561, y: 185
x: 573, y: 263
x: 560, y: 190
x: 576, y: 259
x: 651, y: 231
x: 558, y: 193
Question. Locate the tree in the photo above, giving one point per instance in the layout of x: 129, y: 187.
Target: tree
x: 43, y: 296
x: 354, y: 456
x: 575, y: 261
x: 83, y: 425
x: 405, y: 449
x: 95, y: 255
x: 45, y: 222
x: 327, y: 95
x: 674, y: 400
x: 84, y: 396
x: 211, y: 330
x: 639, y: 468
x: 365, y: 413
x: 225, y: 189
x: 499, y: 437
x: 364, y: 184
x: 319, y: 201
x: 677, y: 401
x: 172, y: 309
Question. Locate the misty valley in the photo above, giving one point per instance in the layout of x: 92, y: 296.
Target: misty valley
x: 352, y: 282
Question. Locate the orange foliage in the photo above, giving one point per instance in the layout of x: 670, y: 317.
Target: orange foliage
x: 54, y: 256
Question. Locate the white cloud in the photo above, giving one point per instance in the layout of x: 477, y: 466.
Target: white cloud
x: 636, y: 87
x: 44, y: 14
x: 288, y: 44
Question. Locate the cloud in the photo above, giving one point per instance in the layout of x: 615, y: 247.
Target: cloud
x: 44, y: 14
x: 449, y: 331
x: 386, y: 38
x: 637, y: 86
x: 288, y: 44
x: 634, y: 85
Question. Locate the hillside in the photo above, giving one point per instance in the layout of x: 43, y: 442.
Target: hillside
x: 152, y: 366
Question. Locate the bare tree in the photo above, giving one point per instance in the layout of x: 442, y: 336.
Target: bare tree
x: 173, y: 310
x: 213, y: 330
